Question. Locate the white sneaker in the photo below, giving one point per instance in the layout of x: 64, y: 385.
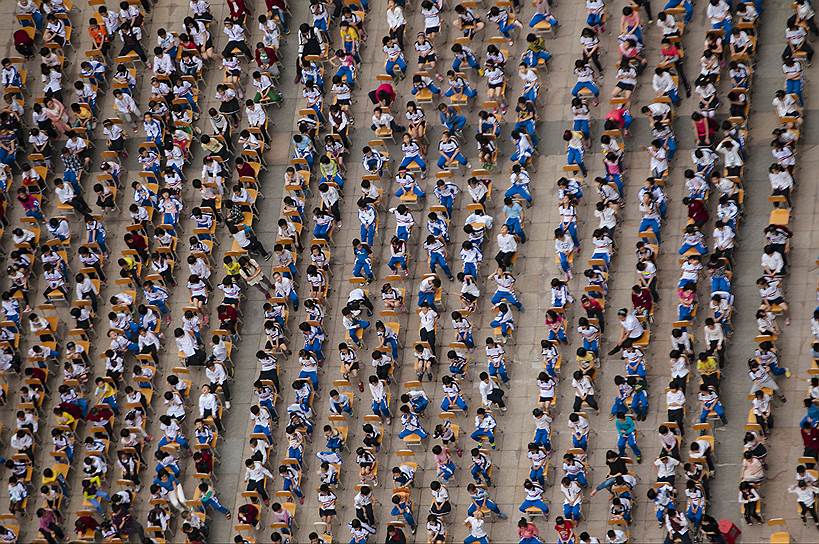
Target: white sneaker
x: 227, y: 405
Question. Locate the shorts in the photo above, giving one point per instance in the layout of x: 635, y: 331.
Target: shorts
x: 625, y: 86
x: 496, y: 85
x: 432, y: 29
x: 443, y: 510
x: 776, y: 301
x: 230, y: 107
x: 426, y: 59
x: 327, y: 512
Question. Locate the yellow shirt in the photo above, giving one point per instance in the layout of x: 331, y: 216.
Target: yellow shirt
x: 349, y: 35
x: 232, y: 268
x: 709, y: 366
x: 586, y: 362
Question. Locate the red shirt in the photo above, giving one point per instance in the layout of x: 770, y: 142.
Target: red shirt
x: 616, y: 115
x: 642, y: 300
x: 385, y: 89
x: 810, y: 438
x: 245, y: 170
x: 237, y: 9
x: 205, y: 464
x: 227, y: 314
x: 697, y: 212
x: 137, y: 243
x: 565, y: 530
x: 88, y: 522
x: 590, y: 303
x: 529, y: 531
x: 670, y: 52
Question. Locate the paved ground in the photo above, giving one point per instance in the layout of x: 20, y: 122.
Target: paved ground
x: 533, y: 271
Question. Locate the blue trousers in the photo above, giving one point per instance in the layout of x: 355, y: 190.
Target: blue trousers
x: 687, y: 6
x: 466, y: 91
x: 431, y: 86
x: 541, y: 437
x: 479, y: 473
x: 290, y: 485
x: 480, y: 434
x: 580, y: 478
x: 701, y: 249
x: 459, y: 158
x: 575, y: 156
x: 505, y: 328
x: 565, y: 265
x: 295, y: 453
x: 539, y: 504
x: 419, y: 405
x: 794, y: 86
x: 718, y: 409
x: 360, y: 324
x: 498, y: 371
x: 639, y: 403
x: 368, y: 233
x: 582, y: 442
x: 532, y: 58
x: 653, y: 224
x: 447, y: 403
x: 447, y: 202
x: 531, y: 93
x: 346, y: 73
x: 214, y: 503
x: 585, y: 85
x: 516, y: 228
x: 362, y: 269
x: 583, y: 126
x: 631, y: 440
x: 409, y: 159
x: 393, y: 343
x: 426, y: 298
x: 466, y: 338
x: 310, y: 375
x: 389, y: 67
x: 501, y: 296
x: 419, y: 431
x: 531, y: 129
x: 538, y: 17
x: 470, y: 59
x: 521, y: 158
x: 484, y: 503
x: 380, y: 408
x: 455, y: 123
x: 447, y: 471
x: 571, y: 511
x: 406, y: 513
x: 559, y: 335
x: 435, y: 260
x: 415, y: 189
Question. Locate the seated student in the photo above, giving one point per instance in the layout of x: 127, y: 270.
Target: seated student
x: 534, y: 497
